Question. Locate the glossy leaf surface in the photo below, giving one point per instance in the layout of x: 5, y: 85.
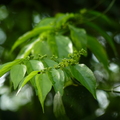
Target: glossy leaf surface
x: 17, y: 73
x: 44, y: 85
x: 33, y: 65
x: 28, y: 35
x: 64, y: 46
x: 58, y: 77
x: 27, y: 79
x: 6, y: 67
x: 85, y: 76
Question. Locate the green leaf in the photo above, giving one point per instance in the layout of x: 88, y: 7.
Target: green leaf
x: 33, y: 65
x: 42, y: 48
x: 85, y: 76
x: 64, y: 46
x: 52, y: 42
x: 104, y: 34
x: 17, y: 73
x: 58, y: 107
x: 49, y: 62
x: 2, y: 65
x: 30, y: 34
x: 27, y: 78
x: 7, y: 66
x: 68, y: 78
x: 78, y: 37
x: 98, y: 51
x: 46, y: 22
x: 44, y: 85
x: 61, y: 19
x: 26, y: 50
x: 59, y: 78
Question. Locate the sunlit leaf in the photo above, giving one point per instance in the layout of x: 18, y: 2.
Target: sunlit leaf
x: 33, y: 65
x: 17, y: 73
x: 46, y: 22
x: 44, y: 85
x: 61, y: 19
x: 30, y: 34
x: 27, y: 79
x: 85, y: 76
x: 52, y: 42
x: 6, y: 67
x: 26, y: 50
x: 64, y: 46
x: 59, y: 78
x: 41, y: 48
x: 78, y: 36
x: 49, y: 62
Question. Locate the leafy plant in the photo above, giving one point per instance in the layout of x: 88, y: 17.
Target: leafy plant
x: 50, y: 56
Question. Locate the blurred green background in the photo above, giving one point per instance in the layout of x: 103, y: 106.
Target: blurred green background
x: 20, y: 16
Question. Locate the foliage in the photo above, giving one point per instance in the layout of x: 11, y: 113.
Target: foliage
x: 50, y: 56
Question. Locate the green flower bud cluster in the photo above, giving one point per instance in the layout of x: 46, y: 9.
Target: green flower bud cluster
x: 76, y: 54
x: 65, y: 62
x: 54, y: 57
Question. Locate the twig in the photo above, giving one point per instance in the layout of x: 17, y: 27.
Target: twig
x: 114, y: 91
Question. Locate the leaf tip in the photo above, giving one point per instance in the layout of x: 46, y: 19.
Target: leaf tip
x: 18, y: 91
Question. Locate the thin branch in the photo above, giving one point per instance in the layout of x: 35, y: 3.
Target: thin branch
x: 113, y: 91
x: 104, y: 12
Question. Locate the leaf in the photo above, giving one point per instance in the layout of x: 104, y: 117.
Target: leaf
x: 64, y: 46
x: 30, y: 34
x: 27, y: 78
x: 68, y: 78
x: 46, y: 22
x: 7, y: 66
x: 2, y: 65
x: 58, y: 77
x: 25, y: 51
x: 33, y: 65
x: 85, y: 76
x: 61, y: 19
x: 17, y: 73
x: 78, y: 37
x: 58, y: 107
x: 98, y: 51
x: 49, y: 62
x: 104, y: 34
x: 52, y: 44
x: 42, y: 48
x: 44, y: 85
